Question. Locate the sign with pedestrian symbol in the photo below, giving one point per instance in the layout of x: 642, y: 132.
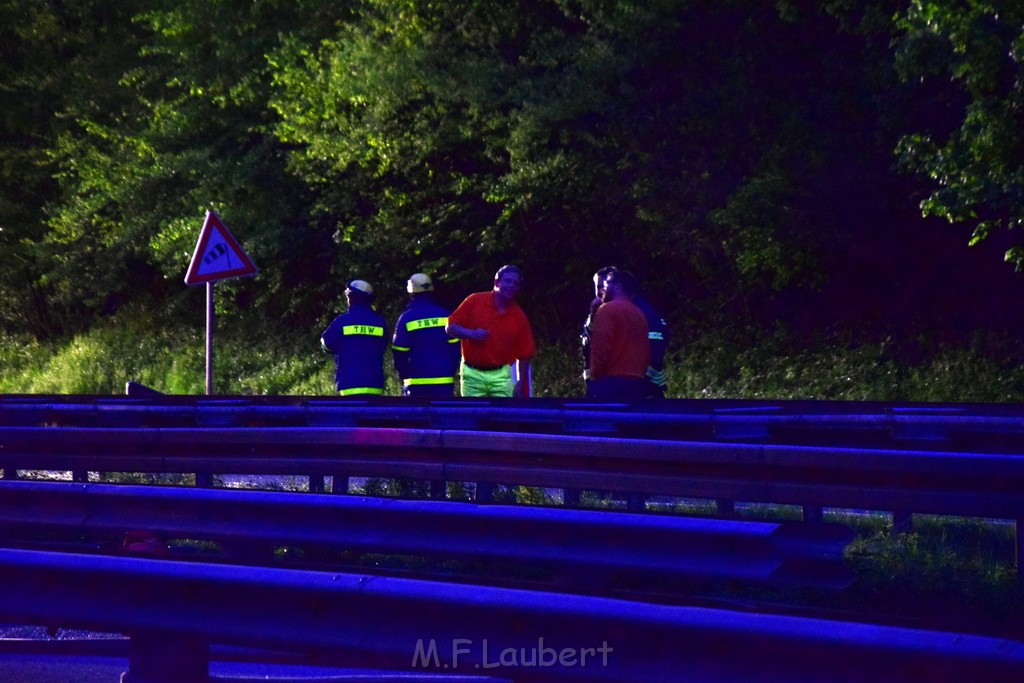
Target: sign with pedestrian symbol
x: 218, y: 255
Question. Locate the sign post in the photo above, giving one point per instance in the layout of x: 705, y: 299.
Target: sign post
x: 218, y: 256
x: 209, y: 338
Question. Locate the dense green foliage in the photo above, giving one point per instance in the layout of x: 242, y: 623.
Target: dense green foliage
x: 740, y: 156
x: 976, y: 166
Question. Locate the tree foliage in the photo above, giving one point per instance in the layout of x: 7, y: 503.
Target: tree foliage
x: 175, y: 122
x: 685, y: 139
x: 977, y: 167
x: 60, y: 61
x: 728, y: 151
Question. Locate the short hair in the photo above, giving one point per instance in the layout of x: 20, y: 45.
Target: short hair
x: 508, y: 268
x: 602, y: 273
x: 625, y: 279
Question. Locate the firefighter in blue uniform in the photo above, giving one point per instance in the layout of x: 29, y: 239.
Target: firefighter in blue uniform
x: 358, y: 340
x: 426, y: 358
x: 657, y: 334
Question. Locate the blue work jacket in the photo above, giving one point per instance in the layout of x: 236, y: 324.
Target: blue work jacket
x: 423, y: 351
x: 357, y: 339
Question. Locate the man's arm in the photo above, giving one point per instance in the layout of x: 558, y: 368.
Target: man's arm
x: 459, y: 332
x: 524, y: 382
x: 400, y: 347
x: 454, y: 355
x: 600, y: 342
x: 585, y: 340
x: 658, y: 336
x: 329, y: 339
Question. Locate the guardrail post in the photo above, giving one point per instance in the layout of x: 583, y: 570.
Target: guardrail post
x: 571, y: 498
x: 484, y: 492
x: 79, y: 476
x: 159, y: 657
x: 902, y: 522
x: 635, y: 502
x: 813, y: 514
x: 339, y: 484
x: 438, y: 489
x: 1018, y: 546
x: 10, y: 473
x: 316, y: 483
x: 248, y: 550
x: 204, y: 480
x: 725, y: 508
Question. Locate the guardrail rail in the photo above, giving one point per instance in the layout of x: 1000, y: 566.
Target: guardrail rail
x: 585, y: 565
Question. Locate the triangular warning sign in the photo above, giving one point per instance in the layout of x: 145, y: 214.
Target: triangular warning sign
x: 218, y: 255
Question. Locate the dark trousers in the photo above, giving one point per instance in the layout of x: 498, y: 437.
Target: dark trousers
x: 430, y: 390
x: 618, y: 388
x: 654, y: 390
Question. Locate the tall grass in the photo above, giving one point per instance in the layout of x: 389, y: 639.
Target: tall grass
x: 246, y: 361
x: 253, y: 357
x: 947, y: 569
x: 764, y: 369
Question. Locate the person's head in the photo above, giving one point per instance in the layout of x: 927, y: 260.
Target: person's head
x: 508, y: 281
x: 359, y: 292
x: 419, y: 283
x: 619, y: 284
x: 599, y: 278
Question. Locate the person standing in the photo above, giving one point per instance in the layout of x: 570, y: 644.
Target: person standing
x: 496, y: 336
x: 426, y: 358
x: 620, y: 351
x: 657, y: 335
x: 358, y: 339
x: 599, y: 277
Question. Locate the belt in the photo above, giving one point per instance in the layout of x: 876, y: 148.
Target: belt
x: 485, y: 368
x: 418, y: 381
x: 361, y: 390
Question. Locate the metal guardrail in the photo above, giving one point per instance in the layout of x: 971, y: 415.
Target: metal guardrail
x: 907, y: 481
x: 984, y: 427
x: 176, y: 610
x: 603, y: 552
x: 903, y: 482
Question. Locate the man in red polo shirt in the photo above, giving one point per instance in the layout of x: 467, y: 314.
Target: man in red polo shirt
x: 619, y: 348
x: 495, y: 335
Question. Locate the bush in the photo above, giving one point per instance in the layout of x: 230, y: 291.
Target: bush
x: 947, y: 566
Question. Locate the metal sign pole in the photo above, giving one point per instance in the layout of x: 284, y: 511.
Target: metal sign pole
x: 209, y: 338
x: 218, y: 256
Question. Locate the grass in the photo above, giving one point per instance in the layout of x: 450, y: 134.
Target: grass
x: 247, y: 361
x: 252, y: 358
x: 945, y: 570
